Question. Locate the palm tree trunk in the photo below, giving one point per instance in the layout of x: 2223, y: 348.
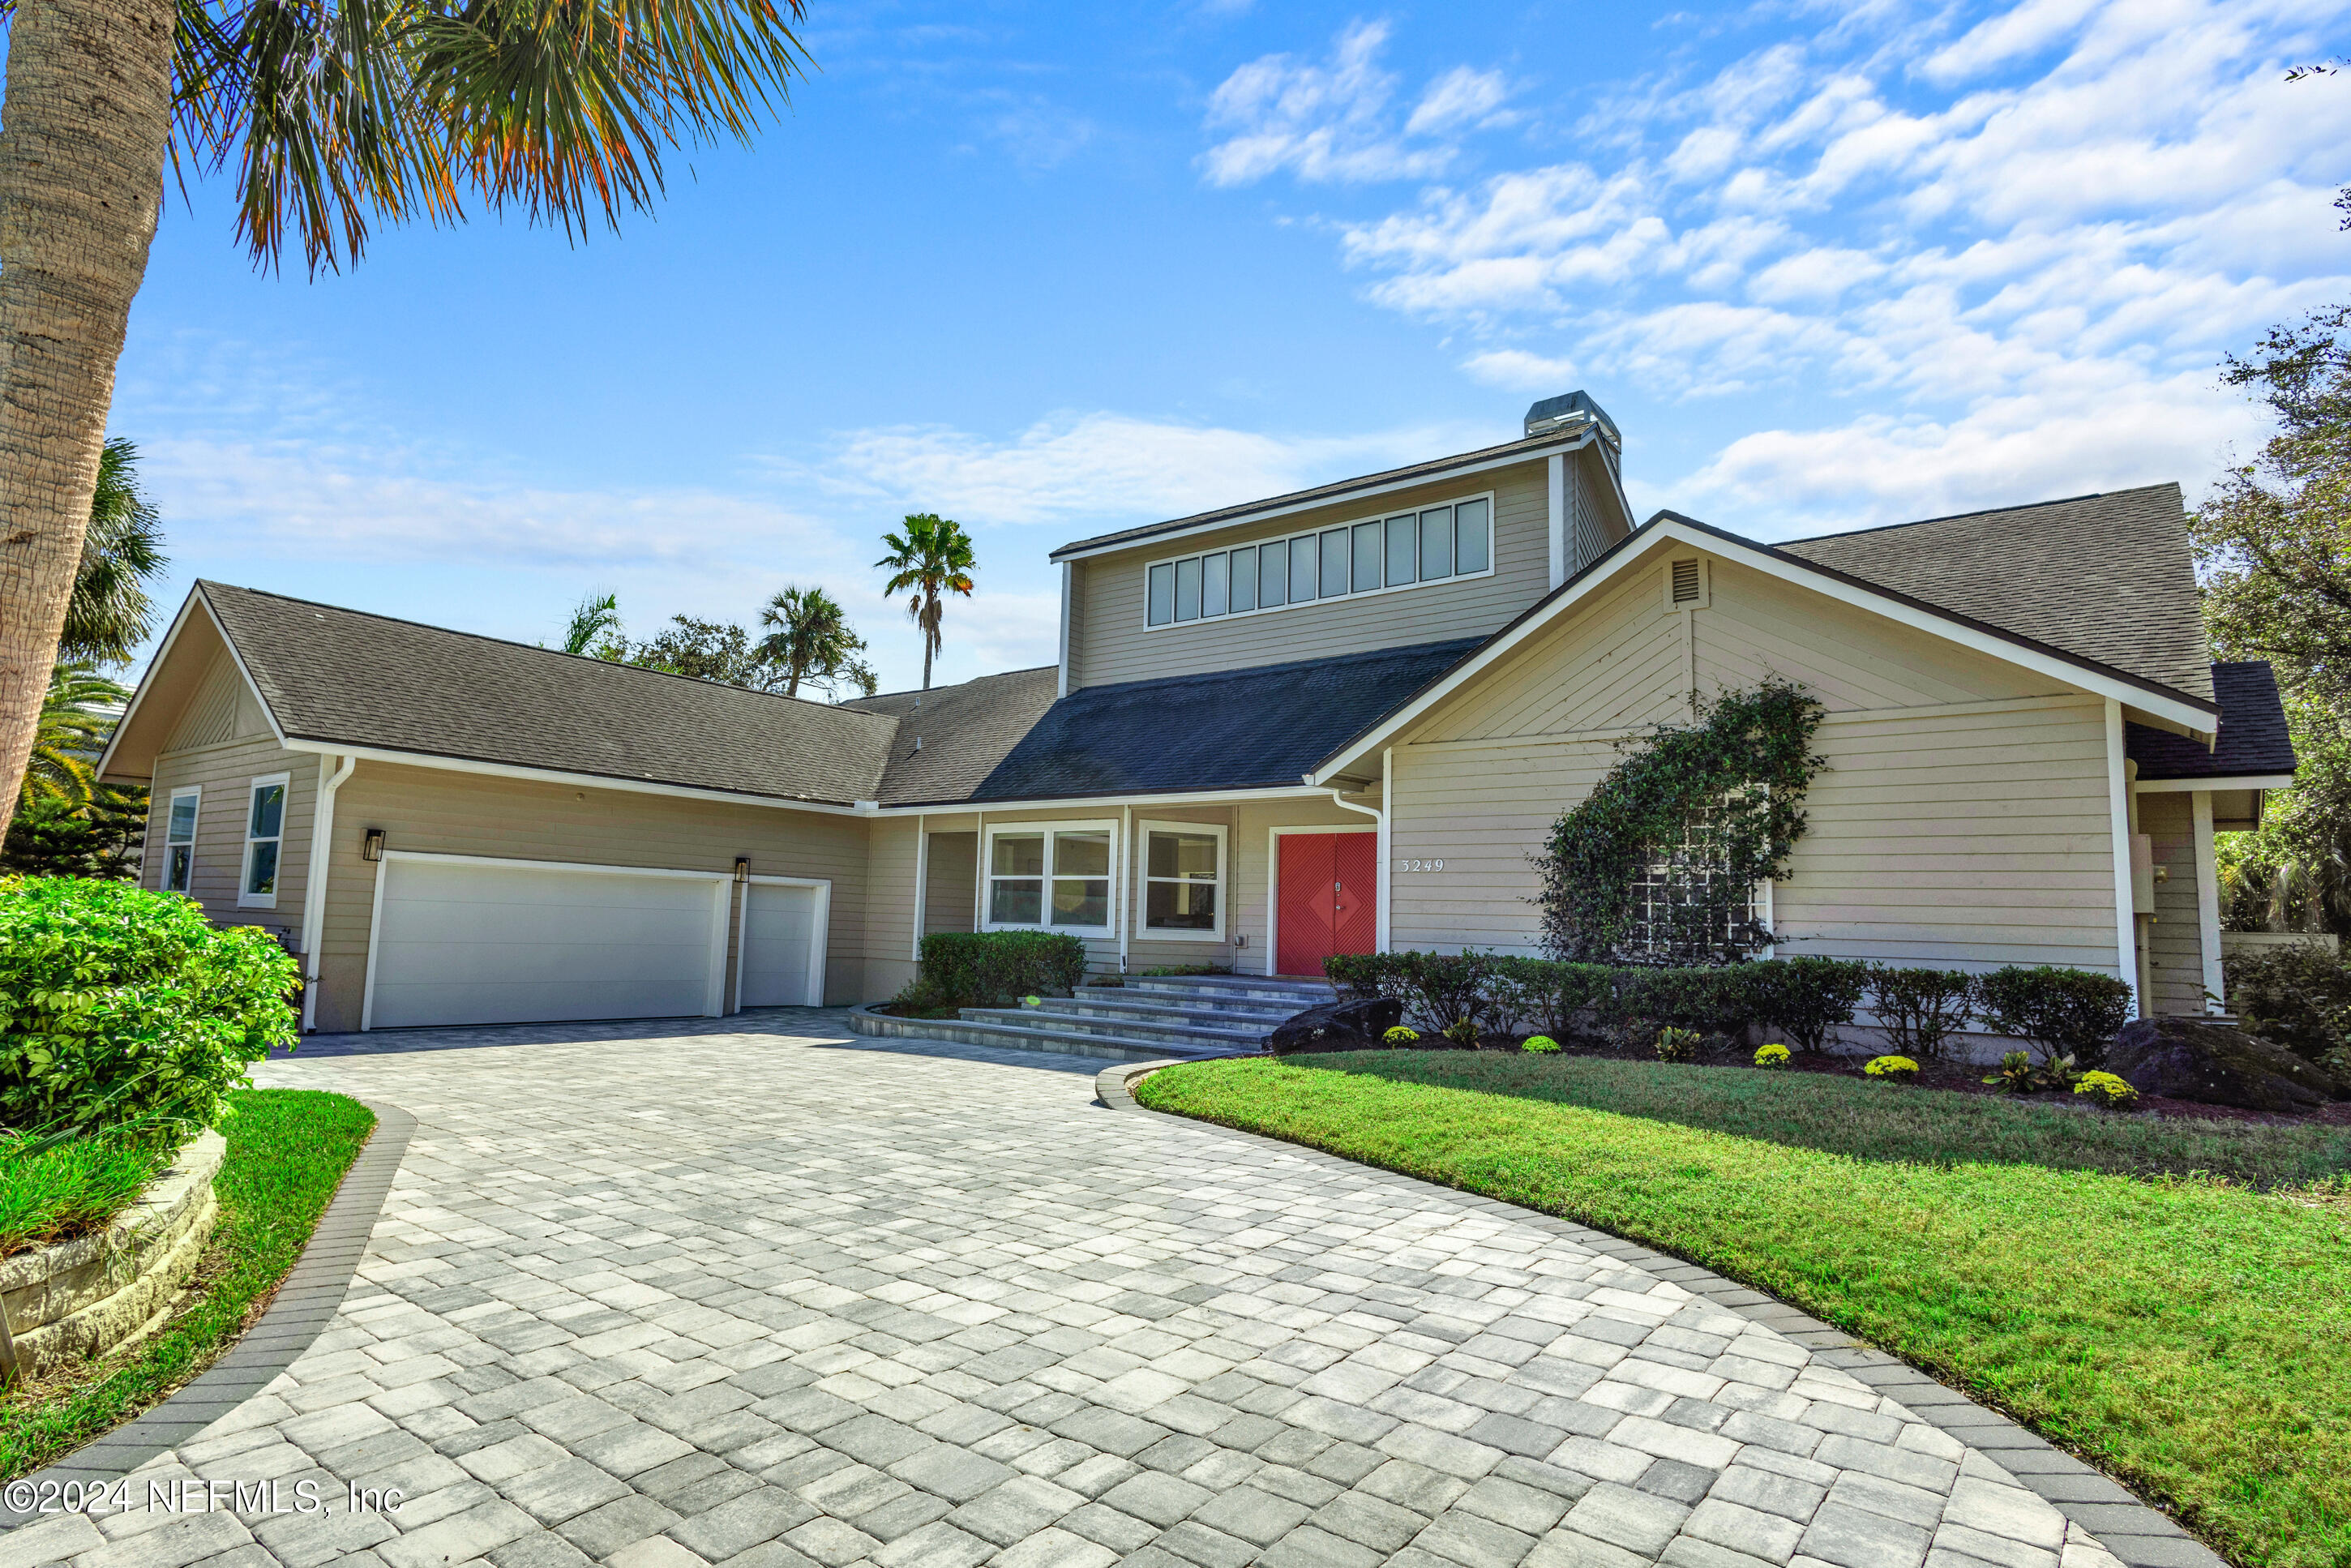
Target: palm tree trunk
x: 83, y: 130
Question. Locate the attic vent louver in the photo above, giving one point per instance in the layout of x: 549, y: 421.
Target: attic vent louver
x: 1687, y: 583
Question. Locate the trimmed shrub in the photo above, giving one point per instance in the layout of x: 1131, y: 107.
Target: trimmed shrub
x: 991, y: 968
x: 1451, y: 994
x: 1771, y: 1055
x: 1921, y: 1008
x: 1541, y: 1044
x: 1803, y: 999
x: 2066, y: 1013
x: 2299, y: 997
x: 1400, y: 1036
x: 1550, y: 997
x: 1893, y: 1068
x: 124, y: 1008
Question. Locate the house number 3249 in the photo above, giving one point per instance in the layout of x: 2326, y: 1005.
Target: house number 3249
x: 1421, y: 865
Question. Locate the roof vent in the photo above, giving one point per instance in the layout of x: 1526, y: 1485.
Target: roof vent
x: 1573, y: 411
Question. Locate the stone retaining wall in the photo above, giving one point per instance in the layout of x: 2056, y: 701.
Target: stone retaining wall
x: 79, y: 1297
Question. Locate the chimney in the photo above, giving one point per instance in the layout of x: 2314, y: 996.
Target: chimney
x: 1571, y: 412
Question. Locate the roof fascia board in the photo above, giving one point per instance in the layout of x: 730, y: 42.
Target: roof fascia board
x: 2229, y: 781
x: 1266, y: 514
x: 1209, y: 797
x: 558, y: 775
x: 1683, y: 530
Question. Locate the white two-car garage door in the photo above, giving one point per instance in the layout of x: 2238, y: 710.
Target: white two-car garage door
x: 459, y: 940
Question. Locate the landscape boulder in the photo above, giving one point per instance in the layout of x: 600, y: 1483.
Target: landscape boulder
x: 2193, y: 1058
x: 1354, y: 1024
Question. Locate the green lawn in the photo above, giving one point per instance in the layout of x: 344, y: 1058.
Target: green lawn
x: 287, y: 1149
x: 2191, y: 1336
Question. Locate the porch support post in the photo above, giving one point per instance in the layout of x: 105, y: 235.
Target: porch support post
x: 1556, y: 469
x: 1123, y: 864
x: 2119, y: 813
x: 980, y: 872
x: 922, y: 882
x: 2208, y: 895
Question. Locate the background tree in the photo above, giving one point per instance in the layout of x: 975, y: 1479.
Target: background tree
x: 76, y: 719
x: 931, y: 559
x: 594, y: 629
x: 333, y: 114
x: 99, y: 837
x: 810, y: 639
x: 707, y: 650
x: 2273, y: 554
x: 110, y: 612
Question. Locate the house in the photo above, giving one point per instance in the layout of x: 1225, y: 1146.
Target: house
x: 1329, y: 721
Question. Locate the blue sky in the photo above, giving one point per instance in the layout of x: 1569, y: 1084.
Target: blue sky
x: 1053, y: 269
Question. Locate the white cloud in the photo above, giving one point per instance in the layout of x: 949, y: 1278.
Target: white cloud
x: 1985, y: 260
x: 1332, y: 123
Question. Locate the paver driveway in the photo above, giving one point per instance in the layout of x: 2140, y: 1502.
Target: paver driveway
x: 757, y: 1295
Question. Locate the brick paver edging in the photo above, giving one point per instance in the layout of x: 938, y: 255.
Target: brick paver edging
x: 2141, y: 1536
x: 305, y: 1303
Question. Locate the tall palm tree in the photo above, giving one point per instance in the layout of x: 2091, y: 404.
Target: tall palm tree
x: 931, y: 559
x: 810, y: 639
x: 110, y: 613
x: 77, y: 715
x: 328, y: 114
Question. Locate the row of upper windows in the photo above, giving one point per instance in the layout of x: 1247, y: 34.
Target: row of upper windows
x: 1432, y: 544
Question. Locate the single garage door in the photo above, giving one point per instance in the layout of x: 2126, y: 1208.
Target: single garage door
x: 465, y: 941
x: 782, y: 961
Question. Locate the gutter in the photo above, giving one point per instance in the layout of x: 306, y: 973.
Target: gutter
x: 313, y: 884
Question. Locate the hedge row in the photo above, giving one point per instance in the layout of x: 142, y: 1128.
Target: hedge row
x: 1464, y: 996
x: 994, y: 968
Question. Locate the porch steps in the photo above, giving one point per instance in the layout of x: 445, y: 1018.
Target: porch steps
x: 1147, y: 1019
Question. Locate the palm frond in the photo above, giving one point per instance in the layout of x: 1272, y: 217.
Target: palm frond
x: 110, y: 612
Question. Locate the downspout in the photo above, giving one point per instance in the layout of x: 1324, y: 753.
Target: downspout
x: 1380, y: 878
x: 313, y: 884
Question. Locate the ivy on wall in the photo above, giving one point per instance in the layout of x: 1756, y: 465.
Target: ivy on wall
x: 1659, y: 863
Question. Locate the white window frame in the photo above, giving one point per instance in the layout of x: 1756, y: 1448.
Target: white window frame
x: 195, y: 793
x: 1493, y: 531
x: 252, y: 787
x: 988, y: 878
x: 1146, y: 932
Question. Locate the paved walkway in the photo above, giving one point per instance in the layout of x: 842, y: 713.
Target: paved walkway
x: 766, y: 1296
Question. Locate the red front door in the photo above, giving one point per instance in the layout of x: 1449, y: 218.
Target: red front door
x: 1329, y: 886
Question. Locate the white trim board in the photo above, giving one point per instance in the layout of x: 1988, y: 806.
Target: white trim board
x: 1273, y: 837
x: 2206, y: 786
x: 1634, y: 554
x: 1261, y: 514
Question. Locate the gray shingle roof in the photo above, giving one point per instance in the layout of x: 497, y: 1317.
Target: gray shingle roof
x: 965, y: 731
x: 346, y: 677
x: 1336, y: 490
x: 2106, y: 577
x: 1232, y: 730
x: 2252, y: 742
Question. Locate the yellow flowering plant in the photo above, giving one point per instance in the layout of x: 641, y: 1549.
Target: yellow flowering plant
x: 1400, y: 1036
x: 2107, y: 1089
x: 1771, y: 1055
x: 1897, y: 1069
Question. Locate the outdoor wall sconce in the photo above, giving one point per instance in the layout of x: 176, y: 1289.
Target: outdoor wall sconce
x: 742, y: 868
x: 371, y: 847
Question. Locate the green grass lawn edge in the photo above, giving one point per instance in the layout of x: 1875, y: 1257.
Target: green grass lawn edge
x: 2188, y: 1337
x: 287, y: 1152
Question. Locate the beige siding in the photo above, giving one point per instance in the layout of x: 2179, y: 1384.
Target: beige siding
x: 1963, y: 817
x: 225, y: 773
x: 1114, y: 645
x: 889, y: 907
x: 953, y: 864
x: 444, y: 811
x: 223, y: 709
x: 2176, y: 944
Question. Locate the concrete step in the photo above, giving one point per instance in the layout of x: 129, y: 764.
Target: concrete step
x: 1175, y: 1007
x: 1297, y: 995
x: 1052, y: 1019
x: 967, y: 1032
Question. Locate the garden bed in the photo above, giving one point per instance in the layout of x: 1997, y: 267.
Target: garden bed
x: 2181, y: 1330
